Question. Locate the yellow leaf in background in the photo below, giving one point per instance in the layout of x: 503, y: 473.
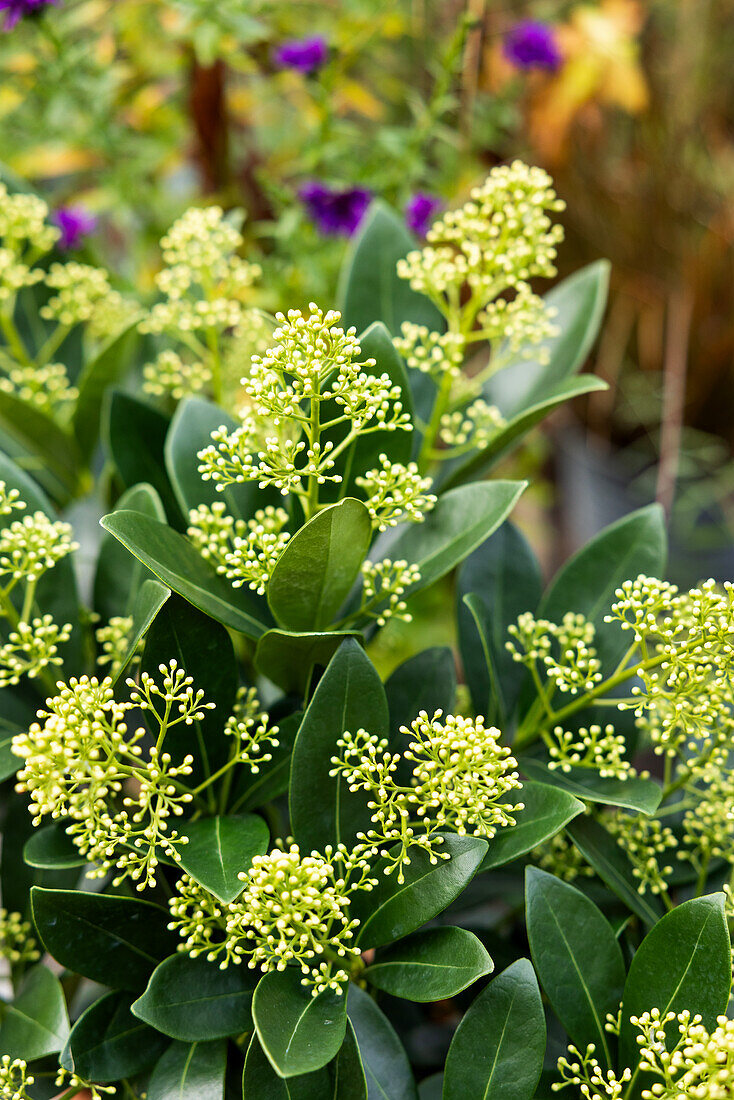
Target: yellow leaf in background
x: 47, y: 161
x: 353, y: 96
x: 10, y: 98
x: 20, y: 64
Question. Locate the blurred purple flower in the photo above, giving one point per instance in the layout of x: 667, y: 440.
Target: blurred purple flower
x: 335, y: 211
x: 16, y: 10
x: 531, y: 45
x: 305, y: 55
x: 75, y: 223
x: 419, y: 212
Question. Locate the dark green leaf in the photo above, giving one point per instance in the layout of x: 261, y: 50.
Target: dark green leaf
x: 107, y: 1043
x: 503, y: 578
x: 393, y: 909
x: 112, y: 940
x: 579, y: 301
x: 50, y: 848
x: 546, y: 811
x: 192, y: 999
x: 349, y: 697
x: 348, y: 1081
x: 190, y: 431
x: 9, y: 762
x: 577, y: 957
x: 119, y: 574
x: 271, y: 781
x: 370, y: 289
x: 175, y: 562
x: 633, y: 794
x: 202, y: 647
x: 684, y: 962
x: 424, y: 682
x: 36, y: 1022
x: 460, y: 522
x: 612, y: 866
x: 106, y: 369
x: 316, y: 571
x: 150, y: 600
x: 431, y: 965
x: 219, y: 848
x: 190, y: 1072
x: 386, y: 1065
x: 260, y: 1081
x: 36, y: 440
x: 514, y: 431
x: 298, y: 1032
x: 135, y: 437
x: 587, y: 582
x: 498, y: 1048
x: 288, y: 659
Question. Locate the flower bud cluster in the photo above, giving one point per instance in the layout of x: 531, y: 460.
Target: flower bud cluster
x: 243, y: 551
x: 250, y: 726
x: 33, y: 544
x: 14, y: 1078
x: 396, y: 493
x: 114, y: 641
x: 17, y: 944
x: 597, y: 747
x: 572, y: 664
x: 472, y: 427
x: 47, y: 387
x: 647, y: 843
x: 519, y: 324
x: 80, y: 288
x: 434, y: 353
x: 384, y: 583
x: 701, y: 1064
x: 585, y: 1072
x: 72, y: 1083
x: 171, y: 376
x: 560, y: 856
x: 31, y: 647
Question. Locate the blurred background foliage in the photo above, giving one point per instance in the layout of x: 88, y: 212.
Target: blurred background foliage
x: 134, y: 109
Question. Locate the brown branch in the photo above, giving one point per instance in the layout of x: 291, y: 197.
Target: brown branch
x: 675, y: 366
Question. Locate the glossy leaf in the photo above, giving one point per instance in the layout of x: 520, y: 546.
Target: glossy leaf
x: 106, y: 369
x: 394, y: 909
x: 577, y: 957
x: 579, y: 301
x: 319, y: 565
x: 386, y: 1066
x: 202, y: 647
x: 546, y: 811
x: 347, y: 1071
x: 349, y: 696
x: 34, y: 438
x: 298, y: 1032
x: 192, y: 999
x: 424, y: 682
x: 135, y: 436
x: 107, y: 1043
x: 515, y: 430
x: 190, y: 1072
x: 587, y: 582
x: 9, y: 762
x: 502, y: 577
x: 50, y: 848
x: 35, y: 1022
x: 611, y: 864
x: 684, y: 962
x: 120, y: 575
x: 369, y: 288
x: 633, y: 794
x: 460, y: 522
x: 151, y: 598
x: 219, y: 848
x: 498, y: 1048
x: 259, y: 1080
x: 431, y: 965
x: 252, y: 791
x: 116, y: 941
x: 177, y: 564
x: 288, y: 658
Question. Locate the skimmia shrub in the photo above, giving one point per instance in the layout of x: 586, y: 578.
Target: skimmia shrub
x: 237, y: 860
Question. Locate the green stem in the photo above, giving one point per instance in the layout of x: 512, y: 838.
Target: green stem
x: 15, y: 342
x: 51, y: 345
x: 314, y: 433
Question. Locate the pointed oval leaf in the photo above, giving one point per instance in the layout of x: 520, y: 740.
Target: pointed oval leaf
x: 633, y: 794
x: 288, y: 658
x: 319, y: 565
x: 150, y: 599
x: 350, y: 696
x: 497, y: 1050
x: 177, y: 564
x: 431, y: 965
x: 193, y: 1000
x: 219, y: 848
x: 107, y: 1043
x: 36, y: 1022
x: 611, y: 864
x: 298, y: 1032
x: 393, y: 909
x: 386, y: 1066
x: 112, y: 940
x: 546, y: 810
x: 119, y: 575
x: 190, y: 1072
x: 260, y: 1080
x: 135, y: 435
x: 684, y: 962
x: 106, y: 369
x: 50, y: 848
x: 424, y: 682
x: 577, y: 957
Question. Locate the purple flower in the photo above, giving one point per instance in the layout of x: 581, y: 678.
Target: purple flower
x: 16, y: 9
x: 531, y: 45
x: 305, y: 55
x: 419, y: 212
x: 75, y: 223
x: 335, y: 212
